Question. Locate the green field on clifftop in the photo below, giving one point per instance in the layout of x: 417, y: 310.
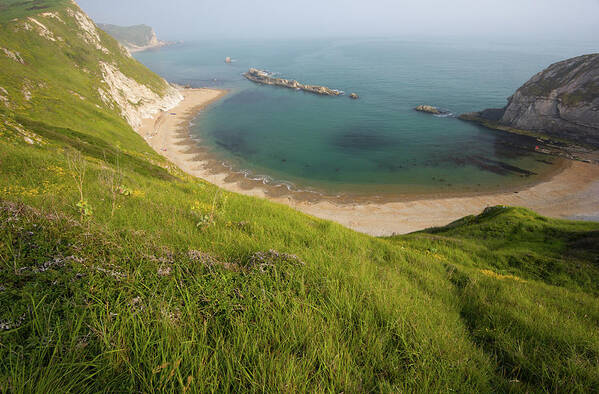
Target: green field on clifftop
x: 139, y: 35
x: 118, y: 272
x: 10, y: 9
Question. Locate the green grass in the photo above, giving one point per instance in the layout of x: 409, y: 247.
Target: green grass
x: 522, y: 243
x: 57, y: 73
x: 10, y: 9
x: 166, y: 283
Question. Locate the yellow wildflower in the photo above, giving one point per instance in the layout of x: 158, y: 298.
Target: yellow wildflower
x: 495, y: 275
x: 57, y: 170
x: 138, y: 193
x: 201, y: 207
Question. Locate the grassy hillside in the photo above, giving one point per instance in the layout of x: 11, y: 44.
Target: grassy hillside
x: 55, y: 77
x: 10, y: 9
x: 138, y: 35
x: 120, y: 273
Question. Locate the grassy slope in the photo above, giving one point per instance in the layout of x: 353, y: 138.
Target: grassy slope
x: 56, y: 72
x: 10, y: 9
x: 165, y: 291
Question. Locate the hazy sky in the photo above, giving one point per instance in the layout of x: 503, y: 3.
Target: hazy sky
x: 188, y: 19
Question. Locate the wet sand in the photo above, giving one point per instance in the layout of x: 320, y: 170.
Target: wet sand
x: 571, y: 192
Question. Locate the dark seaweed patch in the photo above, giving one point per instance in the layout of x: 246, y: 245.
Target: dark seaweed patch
x: 489, y: 165
x: 544, y: 161
x: 363, y: 140
x: 513, y: 146
x: 498, y: 167
x: 252, y: 96
x: 390, y: 165
x: 234, y: 141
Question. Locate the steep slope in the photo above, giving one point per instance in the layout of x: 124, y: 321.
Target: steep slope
x: 561, y: 101
x: 135, y: 38
x: 58, y: 55
x: 118, y: 272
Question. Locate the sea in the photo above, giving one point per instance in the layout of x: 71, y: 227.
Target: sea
x: 377, y: 145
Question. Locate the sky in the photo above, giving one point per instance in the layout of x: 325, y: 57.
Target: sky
x: 251, y: 19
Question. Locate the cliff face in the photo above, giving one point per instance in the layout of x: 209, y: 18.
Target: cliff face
x: 561, y: 101
x: 134, y: 101
x: 60, y: 55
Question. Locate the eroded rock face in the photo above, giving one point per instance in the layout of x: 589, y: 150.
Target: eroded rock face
x: 561, y: 101
x: 16, y: 56
x: 52, y: 15
x: 4, y: 97
x: 154, y: 39
x: 88, y: 30
x: 134, y: 100
x: 43, y: 31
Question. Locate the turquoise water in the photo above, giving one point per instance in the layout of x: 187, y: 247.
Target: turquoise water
x: 377, y: 144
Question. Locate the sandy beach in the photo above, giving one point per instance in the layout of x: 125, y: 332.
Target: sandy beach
x: 572, y: 193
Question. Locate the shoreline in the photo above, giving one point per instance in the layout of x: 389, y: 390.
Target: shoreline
x: 551, y: 195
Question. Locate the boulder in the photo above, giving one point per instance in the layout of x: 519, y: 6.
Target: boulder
x: 428, y: 109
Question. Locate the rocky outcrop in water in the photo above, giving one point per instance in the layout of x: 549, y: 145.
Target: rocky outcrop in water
x: 560, y: 102
x: 263, y: 77
x: 429, y: 109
